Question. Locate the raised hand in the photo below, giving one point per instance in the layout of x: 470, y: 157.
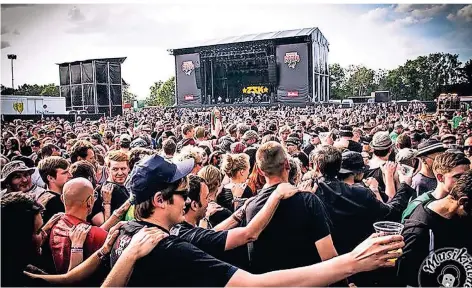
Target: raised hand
x: 375, y: 251
x: 106, y: 191
x: 286, y: 190
x: 78, y: 234
x: 144, y: 241
x: 112, y: 235
x: 212, y: 209
x: 52, y: 222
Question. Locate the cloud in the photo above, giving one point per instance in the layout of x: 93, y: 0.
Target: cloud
x: 5, y: 44
x: 16, y: 32
x: 464, y: 14
x: 376, y: 14
x: 75, y: 15
x: 418, y: 13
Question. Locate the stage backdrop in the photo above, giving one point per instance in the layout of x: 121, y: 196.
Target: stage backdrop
x: 292, y: 64
x: 187, y: 91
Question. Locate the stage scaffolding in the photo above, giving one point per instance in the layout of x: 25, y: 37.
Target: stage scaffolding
x: 291, y: 66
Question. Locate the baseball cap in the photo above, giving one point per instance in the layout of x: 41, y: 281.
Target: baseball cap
x: 153, y: 174
x: 381, y: 141
x: 125, y: 138
x: 352, y: 162
x: 15, y: 166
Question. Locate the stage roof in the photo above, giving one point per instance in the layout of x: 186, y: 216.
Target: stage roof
x: 118, y: 59
x: 261, y: 36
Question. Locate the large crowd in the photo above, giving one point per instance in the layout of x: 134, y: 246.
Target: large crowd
x: 234, y: 196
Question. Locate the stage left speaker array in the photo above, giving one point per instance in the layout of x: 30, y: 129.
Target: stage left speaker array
x: 198, y: 77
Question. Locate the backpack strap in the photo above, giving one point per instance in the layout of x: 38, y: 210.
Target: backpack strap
x: 44, y: 198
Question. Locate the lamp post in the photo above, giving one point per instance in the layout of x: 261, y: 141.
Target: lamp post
x: 12, y: 57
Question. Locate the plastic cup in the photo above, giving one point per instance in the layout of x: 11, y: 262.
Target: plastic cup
x: 389, y: 228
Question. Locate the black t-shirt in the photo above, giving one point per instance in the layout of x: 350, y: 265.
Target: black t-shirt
x: 213, y: 243
x: 53, y: 206
x: 289, y: 239
x: 210, y: 241
x: 426, y: 231
x: 118, y: 198
x: 378, y: 175
x: 173, y: 262
x: 225, y: 198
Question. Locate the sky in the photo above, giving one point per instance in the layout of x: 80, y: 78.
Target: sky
x: 378, y: 36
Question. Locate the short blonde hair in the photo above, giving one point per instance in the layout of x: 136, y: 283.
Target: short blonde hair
x: 270, y: 158
x: 212, y: 176
x: 233, y: 163
x: 117, y: 156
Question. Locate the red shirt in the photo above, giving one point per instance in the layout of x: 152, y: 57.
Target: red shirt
x: 60, y: 246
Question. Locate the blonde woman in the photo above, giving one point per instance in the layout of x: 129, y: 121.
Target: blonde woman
x: 236, y: 167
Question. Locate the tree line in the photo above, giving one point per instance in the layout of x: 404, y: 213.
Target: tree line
x: 32, y: 90
x: 423, y: 78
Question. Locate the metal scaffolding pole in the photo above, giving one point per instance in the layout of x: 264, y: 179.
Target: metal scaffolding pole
x: 212, y: 87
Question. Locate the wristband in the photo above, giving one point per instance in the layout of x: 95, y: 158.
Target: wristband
x: 76, y: 250
x: 106, y: 203
x: 116, y: 214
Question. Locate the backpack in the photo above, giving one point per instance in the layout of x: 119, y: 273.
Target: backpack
x: 420, y: 200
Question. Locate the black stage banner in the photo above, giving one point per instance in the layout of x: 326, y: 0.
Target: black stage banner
x: 292, y: 64
x: 187, y: 91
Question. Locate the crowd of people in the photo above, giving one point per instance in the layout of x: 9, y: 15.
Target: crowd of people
x: 234, y: 196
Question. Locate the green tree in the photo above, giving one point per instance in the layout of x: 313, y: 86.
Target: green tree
x: 29, y: 90
x: 166, y: 93
x: 337, y: 81
x: 151, y: 100
x: 6, y: 90
x: 128, y: 97
x: 50, y: 90
x: 361, y: 80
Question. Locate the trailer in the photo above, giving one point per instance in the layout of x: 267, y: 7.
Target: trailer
x: 32, y: 105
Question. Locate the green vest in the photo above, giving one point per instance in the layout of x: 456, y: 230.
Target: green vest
x: 423, y: 198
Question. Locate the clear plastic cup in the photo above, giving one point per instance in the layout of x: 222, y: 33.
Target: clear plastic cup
x: 389, y: 228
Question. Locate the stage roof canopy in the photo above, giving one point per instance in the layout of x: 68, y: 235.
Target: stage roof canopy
x: 263, y: 36
x: 118, y: 59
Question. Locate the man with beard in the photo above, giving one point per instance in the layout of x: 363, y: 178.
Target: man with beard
x: 117, y: 163
x: 78, y: 196
x: 436, y: 224
x: 59, y: 140
x: 16, y: 177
